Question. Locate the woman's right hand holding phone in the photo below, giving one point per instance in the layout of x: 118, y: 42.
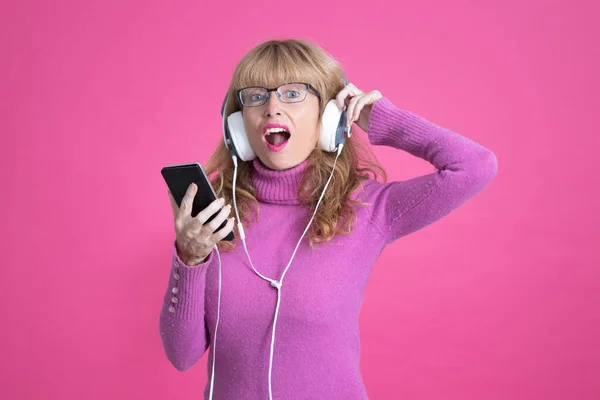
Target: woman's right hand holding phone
x: 195, y: 237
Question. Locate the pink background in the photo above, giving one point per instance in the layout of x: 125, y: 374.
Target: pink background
x: 500, y: 300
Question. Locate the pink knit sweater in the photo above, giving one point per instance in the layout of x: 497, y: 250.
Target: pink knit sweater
x: 317, y: 345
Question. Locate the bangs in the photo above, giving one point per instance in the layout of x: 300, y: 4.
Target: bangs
x: 275, y: 68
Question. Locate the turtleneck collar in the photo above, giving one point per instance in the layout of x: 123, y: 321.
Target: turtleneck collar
x: 277, y: 187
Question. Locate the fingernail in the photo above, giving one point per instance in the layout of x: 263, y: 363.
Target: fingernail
x: 222, y: 200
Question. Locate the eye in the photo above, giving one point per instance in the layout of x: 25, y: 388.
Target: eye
x: 256, y: 97
x: 292, y: 94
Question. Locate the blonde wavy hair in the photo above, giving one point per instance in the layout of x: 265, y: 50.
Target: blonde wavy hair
x: 271, y: 64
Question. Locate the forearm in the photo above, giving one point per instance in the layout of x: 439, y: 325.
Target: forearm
x: 463, y: 168
x: 181, y: 323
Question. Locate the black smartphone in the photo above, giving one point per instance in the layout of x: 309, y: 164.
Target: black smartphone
x: 180, y: 176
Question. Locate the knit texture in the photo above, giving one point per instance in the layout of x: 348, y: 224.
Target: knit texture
x: 317, y: 345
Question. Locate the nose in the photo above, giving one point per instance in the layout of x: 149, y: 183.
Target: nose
x: 273, y: 105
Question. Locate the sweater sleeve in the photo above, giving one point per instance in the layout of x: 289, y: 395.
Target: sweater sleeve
x: 463, y: 169
x: 181, y: 322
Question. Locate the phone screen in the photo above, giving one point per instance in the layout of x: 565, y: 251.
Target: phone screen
x: 179, y: 177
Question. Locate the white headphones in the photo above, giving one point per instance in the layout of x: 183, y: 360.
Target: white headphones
x: 331, y: 138
x: 332, y: 131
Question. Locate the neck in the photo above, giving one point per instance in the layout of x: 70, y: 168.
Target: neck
x: 277, y: 187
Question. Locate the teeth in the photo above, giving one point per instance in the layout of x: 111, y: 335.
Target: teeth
x: 273, y: 130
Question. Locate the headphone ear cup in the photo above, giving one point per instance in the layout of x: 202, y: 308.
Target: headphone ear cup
x: 331, y: 121
x: 237, y: 131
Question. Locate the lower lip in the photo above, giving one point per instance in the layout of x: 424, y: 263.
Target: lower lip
x: 277, y: 148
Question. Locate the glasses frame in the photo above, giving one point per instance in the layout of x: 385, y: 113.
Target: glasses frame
x: 308, y: 86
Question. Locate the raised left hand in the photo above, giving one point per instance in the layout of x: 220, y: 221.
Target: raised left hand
x: 359, y: 104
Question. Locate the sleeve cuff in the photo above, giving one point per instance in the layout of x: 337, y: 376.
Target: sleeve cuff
x: 185, y: 295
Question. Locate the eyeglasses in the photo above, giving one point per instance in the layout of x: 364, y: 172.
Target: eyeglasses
x: 294, y: 92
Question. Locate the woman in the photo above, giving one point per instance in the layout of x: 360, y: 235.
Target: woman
x: 299, y: 339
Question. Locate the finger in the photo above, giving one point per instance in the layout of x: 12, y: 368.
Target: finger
x: 212, y: 208
x: 360, y: 104
x: 348, y: 91
x: 352, y: 93
x: 216, y: 222
x: 351, y: 108
x: 188, y: 199
x: 221, y: 233
x: 199, y: 226
x: 341, y: 96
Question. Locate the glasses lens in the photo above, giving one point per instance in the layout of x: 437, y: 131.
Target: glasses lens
x: 253, y: 96
x: 292, y: 92
x: 289, y: 93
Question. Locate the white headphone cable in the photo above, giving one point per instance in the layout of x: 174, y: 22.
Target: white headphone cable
x: 212, y: 375
x: 274, y: 283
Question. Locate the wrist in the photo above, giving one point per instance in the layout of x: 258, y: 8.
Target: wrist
x: 193, y: 261
x: 188, y: 259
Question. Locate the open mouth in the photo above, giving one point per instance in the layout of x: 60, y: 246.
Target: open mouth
x: 277, y: 136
